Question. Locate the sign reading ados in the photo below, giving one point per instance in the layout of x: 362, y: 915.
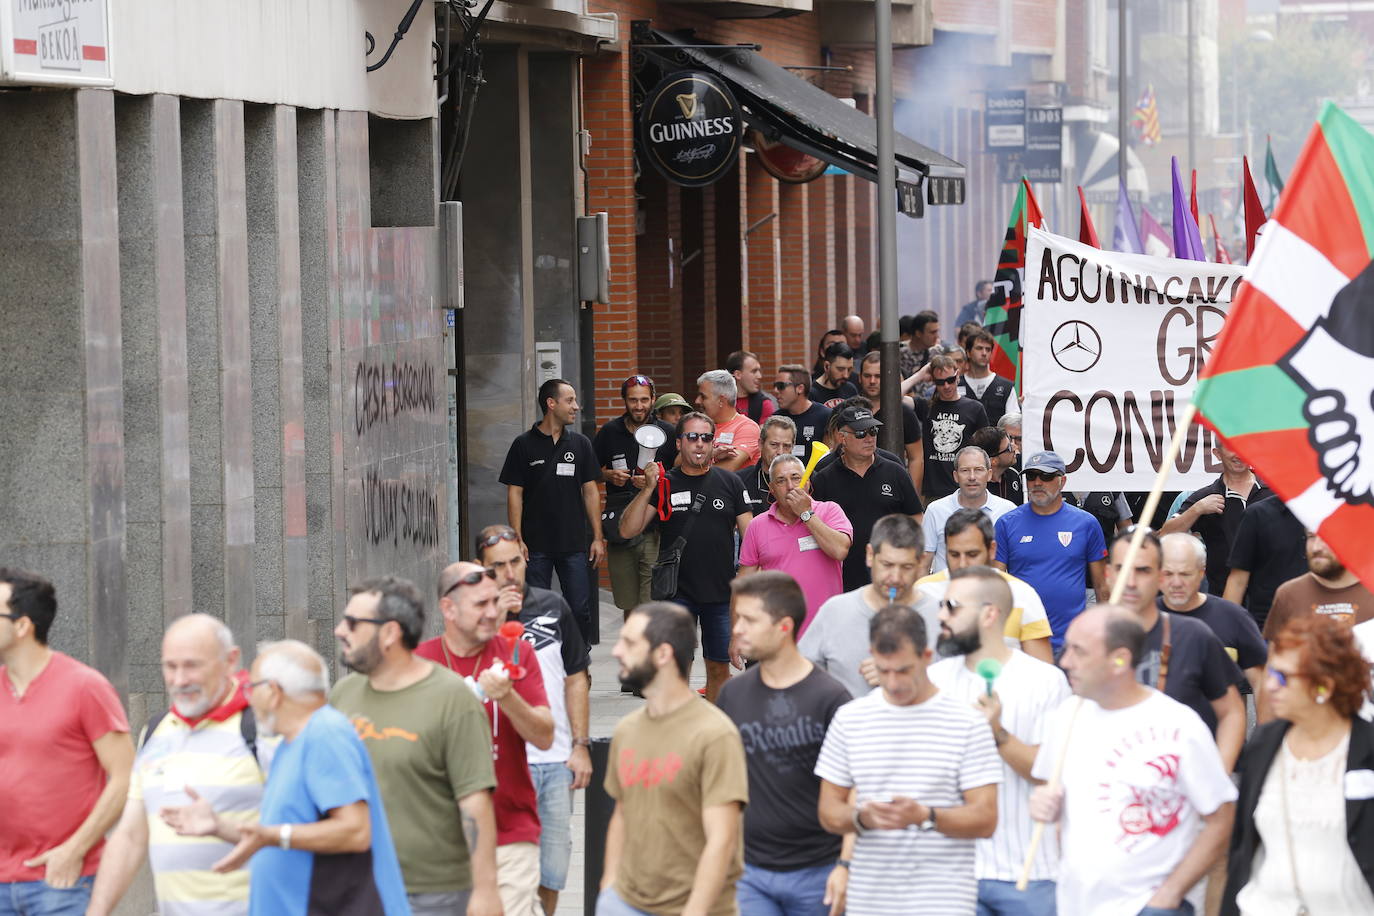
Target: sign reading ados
x: 1112, y: 346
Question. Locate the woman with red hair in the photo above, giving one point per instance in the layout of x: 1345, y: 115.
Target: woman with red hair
x: 1303, y: 841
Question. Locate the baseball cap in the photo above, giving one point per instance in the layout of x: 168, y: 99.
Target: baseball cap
x: 856, y: 418
x: 671, y: 399
x: 1045, y: 462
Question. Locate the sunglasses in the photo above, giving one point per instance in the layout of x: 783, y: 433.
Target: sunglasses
x: 1041, y: 475
x: 782, y: 386
x: 949, y: 605
x: 1006, y: 451
x: 472, y: 578
x: 354, y: 621
x: 863, y: 433
x: 492, y: 540
x: 1279, y: 677
x: 946, y: 381
x: 698, y: 437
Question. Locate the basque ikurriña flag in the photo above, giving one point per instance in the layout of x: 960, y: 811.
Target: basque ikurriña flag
x: 1289, y: 384
x: 1002, y: 318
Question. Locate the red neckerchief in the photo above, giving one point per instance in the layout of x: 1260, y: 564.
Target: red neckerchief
x: 236, y: 701
x: 665, y: 490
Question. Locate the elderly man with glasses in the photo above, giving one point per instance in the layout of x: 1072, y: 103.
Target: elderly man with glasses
x: 950, y: 422
x: 511, y: 687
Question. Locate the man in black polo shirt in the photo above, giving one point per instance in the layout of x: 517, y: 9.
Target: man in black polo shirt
x: 871, y: 387
x: 833, y: 384
x: 550, y: 475
x: 631, y: 562
x: 793, y: 387
x: 866, y: 487
x: 777, y: 436
x: 1214, y: 513
x: 951, y: 422
x: 1270, y: 548
x: 1005, y: 479
x: 708, y: 554
x: 995, y: 393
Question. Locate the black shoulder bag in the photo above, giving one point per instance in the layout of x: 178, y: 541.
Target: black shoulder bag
x: 664, y: 585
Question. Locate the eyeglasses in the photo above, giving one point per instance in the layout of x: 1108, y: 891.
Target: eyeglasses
x: 492, y: 540
x: 1041, y: 475
x: 354, y: 621
x: 698, y: 437
x: 1279, y: 677
x: 1006, y: 451
x: 471, y: 578
x: 864, y: 433
x: 254, y: 685
x: 11, y: 616
x: 946, y: 381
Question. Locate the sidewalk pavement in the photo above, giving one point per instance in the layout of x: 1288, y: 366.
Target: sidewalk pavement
x: 609, y: 706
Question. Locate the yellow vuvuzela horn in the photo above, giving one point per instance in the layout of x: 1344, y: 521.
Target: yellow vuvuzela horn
x: 818, y: 451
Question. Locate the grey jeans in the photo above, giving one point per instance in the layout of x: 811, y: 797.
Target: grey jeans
x: 448, y: 903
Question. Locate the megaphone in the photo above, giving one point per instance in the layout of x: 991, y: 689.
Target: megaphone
x: 818, y: 451
x: 649, y: 437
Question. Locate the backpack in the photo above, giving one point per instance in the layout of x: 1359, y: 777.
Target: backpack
x: 248, y: 728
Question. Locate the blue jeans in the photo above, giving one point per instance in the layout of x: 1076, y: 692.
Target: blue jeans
x: 1186, y: 909
x: 762, y: 892
x: 574, y: 578
x: 36, y: 898
x: 554, y: 795
x: 1001, y: 898
x: 608, y: 903
x: 715, y: 628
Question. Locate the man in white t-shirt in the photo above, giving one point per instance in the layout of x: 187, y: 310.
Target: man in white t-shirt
x: 1145, y: 806
x: 971, y: 541
x: 914, y: 773
x: 972, y: 471
x: 1016, y: 702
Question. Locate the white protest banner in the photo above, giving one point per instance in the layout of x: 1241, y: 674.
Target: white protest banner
x: 1111, y: 346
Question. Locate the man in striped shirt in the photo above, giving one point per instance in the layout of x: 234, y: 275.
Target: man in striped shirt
x: 914, y: 772
x: 973, y: 618
x: 198, y: 746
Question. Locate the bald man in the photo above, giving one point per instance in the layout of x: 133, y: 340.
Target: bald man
x: 853, y: 328
x: 206, y: 741
x: 518, y: 707
x: 1142, y: 820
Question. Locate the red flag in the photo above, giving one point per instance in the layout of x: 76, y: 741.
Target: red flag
x: 1223, y: 256
x: 1033, y: 215
x: 1254, y: 211
x: 1087, y: 232
x: 1192, y: 201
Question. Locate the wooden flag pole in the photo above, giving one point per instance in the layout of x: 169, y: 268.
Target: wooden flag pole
x: 1138, y: 538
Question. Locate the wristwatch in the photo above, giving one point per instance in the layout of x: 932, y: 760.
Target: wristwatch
x: 582, y: 742
x: 928, y: 824
x: 806, y: 516
x: 859, y: 827
x: 284, y: 836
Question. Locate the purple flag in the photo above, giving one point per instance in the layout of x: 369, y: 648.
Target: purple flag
x: 1126, y: 236
x: 1187, y: 238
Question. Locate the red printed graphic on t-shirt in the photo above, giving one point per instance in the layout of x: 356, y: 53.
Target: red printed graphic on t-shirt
x: 649, y: 771
x: 1155, y: 809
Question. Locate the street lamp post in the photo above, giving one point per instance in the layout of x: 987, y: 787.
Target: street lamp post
x: 886, y: 190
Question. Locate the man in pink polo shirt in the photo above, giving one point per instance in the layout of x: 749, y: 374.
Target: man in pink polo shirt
x: 806, y: 538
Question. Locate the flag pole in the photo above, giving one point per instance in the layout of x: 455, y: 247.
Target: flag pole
x: 1127, y: 562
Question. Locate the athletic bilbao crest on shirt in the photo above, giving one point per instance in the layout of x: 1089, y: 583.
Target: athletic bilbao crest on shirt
x: 1065, y: 537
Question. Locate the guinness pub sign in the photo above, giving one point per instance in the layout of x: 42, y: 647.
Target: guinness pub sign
x: 690, y: 128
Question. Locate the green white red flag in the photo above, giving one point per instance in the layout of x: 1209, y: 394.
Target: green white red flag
x: 1002, y: 318
x: 1289, y: 384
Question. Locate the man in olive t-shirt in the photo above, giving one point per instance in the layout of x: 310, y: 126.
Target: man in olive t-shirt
x: 430, y: 745
x: 677, y: 774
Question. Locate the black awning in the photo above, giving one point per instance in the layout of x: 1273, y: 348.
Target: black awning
x: 789, y: 109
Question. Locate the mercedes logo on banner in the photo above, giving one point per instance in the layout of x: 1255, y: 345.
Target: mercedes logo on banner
x: 1076, y: 346
x: 690, y: 128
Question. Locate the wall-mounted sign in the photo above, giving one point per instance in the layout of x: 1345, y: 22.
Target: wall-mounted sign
x: 785, y: 163
x: 690, y: 128
x: 1004, y: 120
x: 1043, y: 158
x: 63, y: 44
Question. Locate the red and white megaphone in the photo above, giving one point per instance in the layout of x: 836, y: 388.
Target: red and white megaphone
x: 512, y: 631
